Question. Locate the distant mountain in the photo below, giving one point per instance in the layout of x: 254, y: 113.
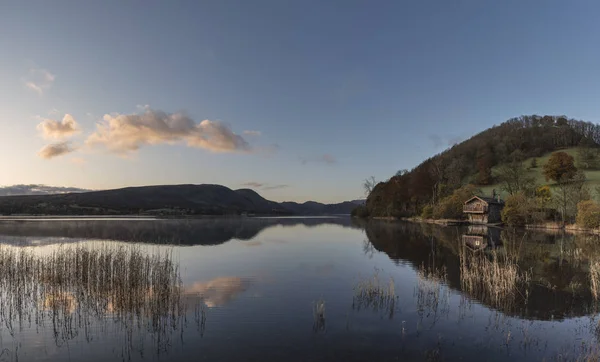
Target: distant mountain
x: 203, y: 199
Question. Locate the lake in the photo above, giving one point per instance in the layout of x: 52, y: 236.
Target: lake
x: 294, y: 289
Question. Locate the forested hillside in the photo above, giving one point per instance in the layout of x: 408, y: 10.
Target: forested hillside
x: 472, y: 162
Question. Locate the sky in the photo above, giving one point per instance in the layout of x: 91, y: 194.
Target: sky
x: 299, y: 100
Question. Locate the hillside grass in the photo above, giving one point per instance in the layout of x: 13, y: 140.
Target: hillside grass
x: 592, y: 176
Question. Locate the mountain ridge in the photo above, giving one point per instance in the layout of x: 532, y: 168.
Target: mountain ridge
x: 181, y: 199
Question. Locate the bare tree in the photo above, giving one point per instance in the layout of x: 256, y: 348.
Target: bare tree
x: 369, y: 185
x: 436, y: 170
x: 402, y: 172
x: 514, y: 178
x: 568, y: 193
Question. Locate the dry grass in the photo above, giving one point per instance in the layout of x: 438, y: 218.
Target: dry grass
x: 375, y: 294
x: 496, y: 279
x: 74, y: 285
x: 595, y: 278
x: 431, y: 293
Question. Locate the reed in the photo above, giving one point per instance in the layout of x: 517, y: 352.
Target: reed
x: 494, y: 278
x: 433, y: 299
x: 75, y: 284
x: 376, y: 294
x: 595, y: 278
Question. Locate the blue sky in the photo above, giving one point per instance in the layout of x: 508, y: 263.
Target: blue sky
x: 338, y: 90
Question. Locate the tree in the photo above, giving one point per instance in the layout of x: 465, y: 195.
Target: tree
x: 369, y: 185
x: 560, y: 167
x: 436, y: 171
x: 451, y: 207
x: 402, y: 172
x: 517, y: 210
x: 570, y: 191
x: 484, y: 167
x: 587, y: 157
x: 514, y: 178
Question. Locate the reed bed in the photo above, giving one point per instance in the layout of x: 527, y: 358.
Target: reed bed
x: 376, y: 294
x: 432, y: 297
x: 493, y: 278
x: 74, y: 285
x: 595, y: 278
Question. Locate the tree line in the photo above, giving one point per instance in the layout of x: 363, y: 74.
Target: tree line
x: 429, y: 185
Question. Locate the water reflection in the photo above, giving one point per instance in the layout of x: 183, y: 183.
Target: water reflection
x: 204, y: 231
x: 554, y: 267
x: 219, y: 291
x: 383, y: 291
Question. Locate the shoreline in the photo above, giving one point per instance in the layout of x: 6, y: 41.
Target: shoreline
x: 552, y: 226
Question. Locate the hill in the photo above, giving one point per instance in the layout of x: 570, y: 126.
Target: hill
x: 537, y: 174
x: 161, y: 200
x: 475, y: 161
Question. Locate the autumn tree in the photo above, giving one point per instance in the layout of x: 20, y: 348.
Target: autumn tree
x: 517, y: 210
x: 451, y: 207
x: 560, y: 167
x: 588, y: 214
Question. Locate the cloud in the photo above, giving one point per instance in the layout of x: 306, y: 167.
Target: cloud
x: 39, y: 80
x: 37, y: 189
x: 253, y: 133
x: 78, y: 161
x: 55, y: 149
x: 264, y: 186
x: 326, y: 159
x: 124, y: 133
x: 53, y: 129
x: 275, y: 187
x: 253, y: 184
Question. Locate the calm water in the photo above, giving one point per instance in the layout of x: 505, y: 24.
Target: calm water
x: 287, y: 289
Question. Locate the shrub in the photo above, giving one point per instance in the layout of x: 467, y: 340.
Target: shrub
x: 427, y: 212
x: 588, y: 214
x: 360, y: 211
x: 517, y: 210
x: 451, y: 207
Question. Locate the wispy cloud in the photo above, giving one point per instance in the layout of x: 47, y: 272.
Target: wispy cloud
x: 53, y: 129
x: 78, y: 161
x: 275, y: 187
x: 55, y: 149
x: 253, y: 184
x: 37, y: 189
x: 39, y: 80
x: 264, y: 186
x: 326, y: 159
x: 252, y: 133
x: 124, y: 133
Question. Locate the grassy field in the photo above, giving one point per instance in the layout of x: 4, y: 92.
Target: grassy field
x: 593, y: 177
